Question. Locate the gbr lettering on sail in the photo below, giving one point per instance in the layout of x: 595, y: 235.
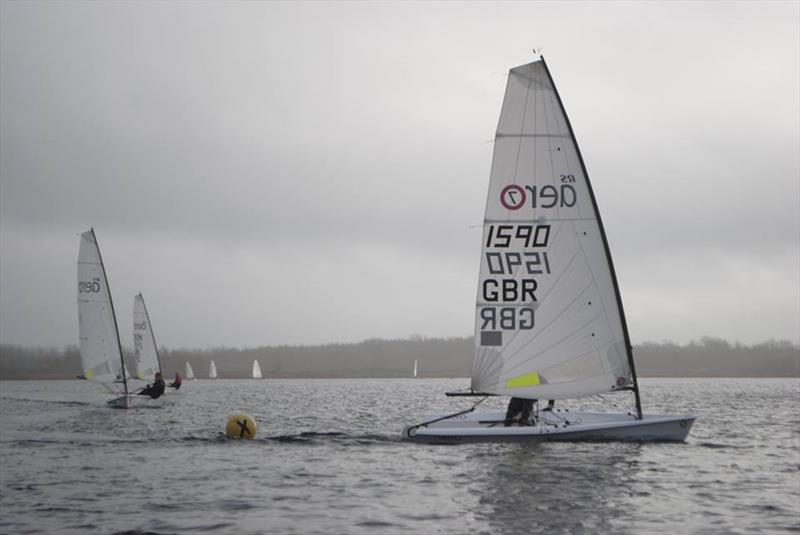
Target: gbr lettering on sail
x: 515, y: 255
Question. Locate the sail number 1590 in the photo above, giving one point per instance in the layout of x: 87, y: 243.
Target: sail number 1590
x: 503, y: 236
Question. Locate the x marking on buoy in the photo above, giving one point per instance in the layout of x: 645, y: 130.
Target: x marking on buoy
x: 243, y: 425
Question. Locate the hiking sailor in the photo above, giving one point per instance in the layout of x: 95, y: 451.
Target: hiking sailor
x: 154, y: 390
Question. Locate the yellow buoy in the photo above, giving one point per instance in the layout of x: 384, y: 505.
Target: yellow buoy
x: 241, y: 426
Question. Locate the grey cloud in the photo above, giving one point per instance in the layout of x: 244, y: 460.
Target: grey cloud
x: 281, y: 172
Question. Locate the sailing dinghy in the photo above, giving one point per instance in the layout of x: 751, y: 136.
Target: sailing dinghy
x: 549, y: 323
x: 190, y: 372
x: 415, y: 369
x: 101, y: 352
x: 256, y: 370
x: 212, y: 371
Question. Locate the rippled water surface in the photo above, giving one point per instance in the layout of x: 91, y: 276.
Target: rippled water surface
x: 328, y: 459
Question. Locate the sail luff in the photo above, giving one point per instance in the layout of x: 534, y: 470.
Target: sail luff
x: 615, y: 282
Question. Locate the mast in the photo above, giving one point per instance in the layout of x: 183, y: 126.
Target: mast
x: 113, y: 313
x: 628, y: 347
x: 152, y: 334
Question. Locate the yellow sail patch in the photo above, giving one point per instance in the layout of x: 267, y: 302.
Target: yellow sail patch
x: 521, y: 381
x: 89, y: 374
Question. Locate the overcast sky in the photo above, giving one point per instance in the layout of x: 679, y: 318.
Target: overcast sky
x: 301, y: 173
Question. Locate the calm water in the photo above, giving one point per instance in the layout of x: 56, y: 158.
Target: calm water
x: 328, y: 459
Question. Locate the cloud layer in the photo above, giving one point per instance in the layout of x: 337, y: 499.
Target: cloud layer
x: 279, y: 173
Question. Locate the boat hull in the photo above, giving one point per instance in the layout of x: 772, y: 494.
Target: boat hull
x: 555, y: 426
x: 134, y: 401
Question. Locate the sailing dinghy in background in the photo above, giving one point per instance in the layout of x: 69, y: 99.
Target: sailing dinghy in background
x: 212, y: 370
x: 190, y: 372
x: 549, y: 323
x: 101, y: 352
x: 256, y: 370
x: 144, y: 342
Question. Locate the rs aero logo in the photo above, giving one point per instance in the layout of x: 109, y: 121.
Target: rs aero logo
x: 514, y: 196
x: 86, y: 287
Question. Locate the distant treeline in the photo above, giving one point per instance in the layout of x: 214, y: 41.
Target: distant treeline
x: 438, y: 357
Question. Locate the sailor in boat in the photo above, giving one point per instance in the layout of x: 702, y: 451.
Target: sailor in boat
x: 154, y: 390
x: 520, y: 412
x: 176, y: 384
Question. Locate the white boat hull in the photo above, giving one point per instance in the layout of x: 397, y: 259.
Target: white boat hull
x: 557, y: 426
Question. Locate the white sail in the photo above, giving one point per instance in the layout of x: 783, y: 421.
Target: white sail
x: 144, y: 343
x: 101, y: 353
x: 415, y: 368
x: 256, y: 370
x: 548, y: 322
x: 212, y: 371
x: 189, y: 371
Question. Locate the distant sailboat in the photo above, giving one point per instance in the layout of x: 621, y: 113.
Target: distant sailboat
x: 415, y: 369
x: 212, y: 371
x: 101, y: 351
x: 256, y: 370
x: 190, y: 372
x: 549, y: 323
x: 144, y: 342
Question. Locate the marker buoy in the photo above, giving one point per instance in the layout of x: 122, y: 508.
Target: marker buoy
x: 241, y: 426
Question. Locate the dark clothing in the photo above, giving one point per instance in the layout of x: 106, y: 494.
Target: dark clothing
x: 154, y: 390
x: 519, y: 411
x: 176, y: 384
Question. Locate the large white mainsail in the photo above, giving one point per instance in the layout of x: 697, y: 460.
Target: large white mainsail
x: 144, y: 342
x: 549, y: 322
x: 101, y: 352
x: 189, y: 371
x: 212, y: 371
x: 256, y: 370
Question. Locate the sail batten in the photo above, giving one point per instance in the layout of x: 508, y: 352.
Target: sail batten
x: 548, y: 320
